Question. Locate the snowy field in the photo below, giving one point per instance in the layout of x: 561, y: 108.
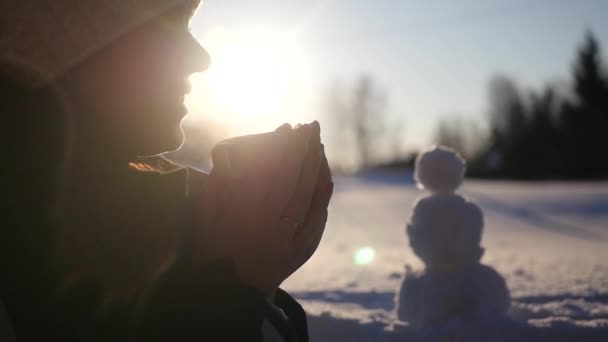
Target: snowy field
x: 548, y: 240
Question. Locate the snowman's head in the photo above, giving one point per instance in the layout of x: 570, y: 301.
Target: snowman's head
x: 439, y: 170
x: 445, y: 228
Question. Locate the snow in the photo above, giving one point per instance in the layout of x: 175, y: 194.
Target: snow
x: 549, y: 241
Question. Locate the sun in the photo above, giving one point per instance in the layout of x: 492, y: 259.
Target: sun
x: 255, y: 78
x: 247, y: 77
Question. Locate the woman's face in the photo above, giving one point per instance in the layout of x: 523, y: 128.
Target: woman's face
x: 136, y: 86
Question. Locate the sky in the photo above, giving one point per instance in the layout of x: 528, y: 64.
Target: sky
x: 432, y: 58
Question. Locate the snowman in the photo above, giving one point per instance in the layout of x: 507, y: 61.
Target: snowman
x: 444, y: 231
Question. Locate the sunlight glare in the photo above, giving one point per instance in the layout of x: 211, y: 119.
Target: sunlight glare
x: 254, y: 78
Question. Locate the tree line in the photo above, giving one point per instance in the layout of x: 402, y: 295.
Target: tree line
x: 558, y: 132
x: 552, y: 133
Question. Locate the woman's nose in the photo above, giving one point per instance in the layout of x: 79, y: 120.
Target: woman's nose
x: 198, y: 59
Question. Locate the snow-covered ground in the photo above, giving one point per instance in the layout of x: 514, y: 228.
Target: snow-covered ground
x: 548, y: 240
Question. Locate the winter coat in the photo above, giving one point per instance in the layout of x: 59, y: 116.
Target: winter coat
x: 184, y: 303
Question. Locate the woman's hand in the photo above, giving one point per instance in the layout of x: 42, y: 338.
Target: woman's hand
x: 270, y: 219
x: 309, y: 234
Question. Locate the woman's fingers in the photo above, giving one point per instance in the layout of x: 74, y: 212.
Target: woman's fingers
x: 308, y: 245
x: 322, y: 195
x: 260, y: 174
x: 299, y: 204
x: 284, y: 128
x: 249, y: 205
x: 309, y: 236
x: 287, y: 176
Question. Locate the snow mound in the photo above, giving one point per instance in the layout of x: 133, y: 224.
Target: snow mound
x: 549, y: 240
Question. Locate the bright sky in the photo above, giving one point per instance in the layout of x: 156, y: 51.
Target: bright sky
x: 273, y: 59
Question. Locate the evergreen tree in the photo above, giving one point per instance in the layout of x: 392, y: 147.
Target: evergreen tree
x: 540, y: 144
x: 584, y: 120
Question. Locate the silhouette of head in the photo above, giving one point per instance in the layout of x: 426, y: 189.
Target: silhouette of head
x: 123, y: 66
x: 445, y: 228
x: 136, y: 85
x: 83, y: 82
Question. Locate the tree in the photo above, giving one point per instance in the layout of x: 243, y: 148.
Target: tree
x: 541, y: 137
x: 507, y: 112
x: 360, y: 119
x: 584, y: 119
x: 449, y: 134
x: 590, y: 84
x: 459, y: 134
x: 509, y: 122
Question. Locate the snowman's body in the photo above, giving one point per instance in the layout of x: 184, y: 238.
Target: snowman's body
x: 476, y: 292
x: 445, y: 233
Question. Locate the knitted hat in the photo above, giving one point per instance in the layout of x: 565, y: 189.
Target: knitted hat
x: 41, y: 39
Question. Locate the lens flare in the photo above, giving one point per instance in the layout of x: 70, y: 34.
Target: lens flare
x: 364, y: 256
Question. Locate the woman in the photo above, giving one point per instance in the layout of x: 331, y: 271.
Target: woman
x: 104, y: 244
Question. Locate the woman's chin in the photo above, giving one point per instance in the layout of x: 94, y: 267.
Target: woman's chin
x: 174, y: 141
x: 163, y: 142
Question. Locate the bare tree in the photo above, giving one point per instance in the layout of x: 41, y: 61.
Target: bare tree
x: 360, y: 120
x: 460, y: 134
x: 449, y: 133
x: 507, y: 112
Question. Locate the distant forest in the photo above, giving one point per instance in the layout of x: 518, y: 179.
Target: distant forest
x: 548, y: 134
